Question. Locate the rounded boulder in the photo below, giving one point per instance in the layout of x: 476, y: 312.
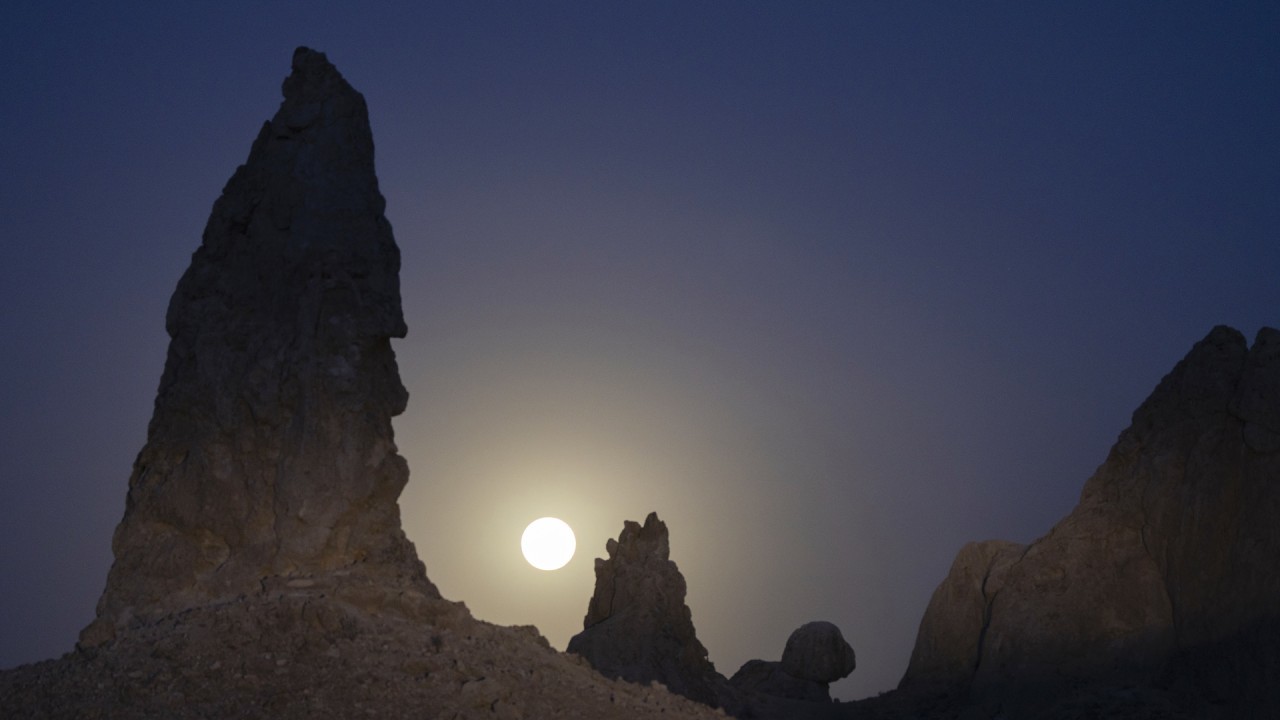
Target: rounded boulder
x: 817, y: 651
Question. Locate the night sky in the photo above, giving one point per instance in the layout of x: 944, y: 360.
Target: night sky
x: 833, y: 287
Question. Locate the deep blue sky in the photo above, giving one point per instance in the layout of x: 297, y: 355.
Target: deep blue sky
x: 833, y: 287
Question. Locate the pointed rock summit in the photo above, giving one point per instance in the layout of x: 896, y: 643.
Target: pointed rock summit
x: 1165, y: 572
x: 638, y: 627
x: 270, y: 455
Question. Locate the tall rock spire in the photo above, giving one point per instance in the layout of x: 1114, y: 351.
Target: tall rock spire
x: 270, y: 453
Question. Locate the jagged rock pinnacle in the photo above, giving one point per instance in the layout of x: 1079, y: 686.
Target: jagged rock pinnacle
x: 270, y: 452
x: 638, y: 627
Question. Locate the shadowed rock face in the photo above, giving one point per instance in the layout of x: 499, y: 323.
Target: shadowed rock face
x: 260, y: 567
x: 763, y: 677
x: 638, y: 627
x: 815, y: 656
x: 818, y: 652
x: 270, y: 451
x: 947, y: 644
x: 1171, y: 550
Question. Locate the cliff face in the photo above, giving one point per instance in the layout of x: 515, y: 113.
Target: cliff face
x: 270, y: 451
x: 1171, y: 549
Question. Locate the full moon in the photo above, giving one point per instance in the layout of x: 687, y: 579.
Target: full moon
x: 548, y: 543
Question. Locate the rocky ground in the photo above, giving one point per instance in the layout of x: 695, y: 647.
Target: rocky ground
x: 303, y: 654
x: 300, y: 655
x: 336, y: 648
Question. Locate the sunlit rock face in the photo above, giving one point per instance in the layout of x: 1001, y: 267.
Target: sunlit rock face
x: 1168, y: 564
x: 638, y: 627
x: 270, y: 452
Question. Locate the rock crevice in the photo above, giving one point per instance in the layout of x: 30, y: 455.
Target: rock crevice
x: 1159, y: 559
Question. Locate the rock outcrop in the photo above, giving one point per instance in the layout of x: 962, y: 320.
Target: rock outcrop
x: 818, y: 652
x: 260, y: 568
x: 816, y: 655
x: 1167, y: 563
x: 638, y: 627
x: 261, y: 571
x: 270, y: 451
x: 766, y: 677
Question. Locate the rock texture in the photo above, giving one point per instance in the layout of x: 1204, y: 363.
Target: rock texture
x: 270, y: 450
x: 299, y: 654
x: 638, y: 627
x: 1164, y: 569
x: 948, y: 643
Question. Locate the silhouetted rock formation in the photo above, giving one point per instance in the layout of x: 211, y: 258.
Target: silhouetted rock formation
x: 1168, y: 561
x: 260, y: 570
x: 638, y: 627
x: 815, y: 656
x: 270, y: 451
x: 765, y: 677
x: 817, y: 651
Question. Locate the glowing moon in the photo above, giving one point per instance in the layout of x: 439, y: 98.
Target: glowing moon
x: 548, y: 543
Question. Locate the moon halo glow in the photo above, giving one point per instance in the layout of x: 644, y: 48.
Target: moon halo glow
x: 548, y: 543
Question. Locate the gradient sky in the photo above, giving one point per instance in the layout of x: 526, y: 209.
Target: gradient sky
x: 833, y: 287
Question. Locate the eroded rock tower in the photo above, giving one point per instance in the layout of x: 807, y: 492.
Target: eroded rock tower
x: 270, y: 453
